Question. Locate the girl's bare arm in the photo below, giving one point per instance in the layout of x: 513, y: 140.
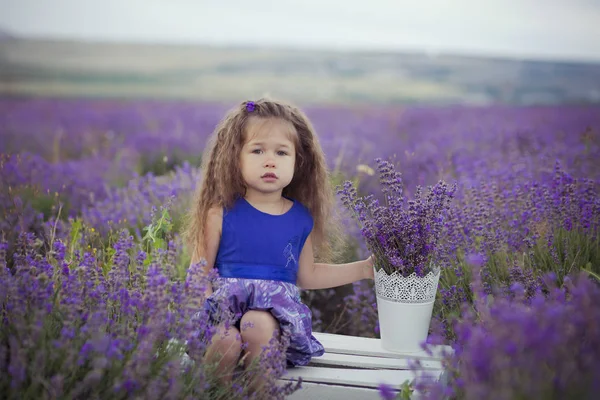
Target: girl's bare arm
x: 313, y: 275
x: 212, y: 238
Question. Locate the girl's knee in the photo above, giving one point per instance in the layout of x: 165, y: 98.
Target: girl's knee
x: 258, y: 327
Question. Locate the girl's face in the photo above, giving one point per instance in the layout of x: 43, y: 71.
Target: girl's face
x: 268, y: 156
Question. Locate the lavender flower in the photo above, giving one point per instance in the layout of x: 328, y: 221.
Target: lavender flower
x: 403, y: 234
x: 528, y: 206
x: 101, y: 328
x: 501, y: 347
x: 386, y: 392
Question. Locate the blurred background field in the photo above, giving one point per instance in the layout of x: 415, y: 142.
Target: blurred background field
x: 105, y: 110
x: 307, y: 76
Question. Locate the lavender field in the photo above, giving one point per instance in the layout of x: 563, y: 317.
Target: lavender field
x: 93, y: 274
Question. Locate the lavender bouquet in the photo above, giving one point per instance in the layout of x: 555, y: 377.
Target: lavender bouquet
x: 402, y: 234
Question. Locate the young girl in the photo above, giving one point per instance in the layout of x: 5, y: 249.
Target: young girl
x: 260, y: 218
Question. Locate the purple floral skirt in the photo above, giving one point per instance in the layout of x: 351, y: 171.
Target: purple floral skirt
x: 281, y: 299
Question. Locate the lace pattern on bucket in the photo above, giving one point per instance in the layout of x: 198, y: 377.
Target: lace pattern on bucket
x: 410, y: 289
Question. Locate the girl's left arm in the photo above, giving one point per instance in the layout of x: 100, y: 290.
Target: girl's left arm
x: 324, y: 276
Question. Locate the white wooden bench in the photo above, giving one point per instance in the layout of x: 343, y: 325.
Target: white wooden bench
x: 353, y: 367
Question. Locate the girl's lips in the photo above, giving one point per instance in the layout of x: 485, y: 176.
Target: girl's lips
x: 269, y: 175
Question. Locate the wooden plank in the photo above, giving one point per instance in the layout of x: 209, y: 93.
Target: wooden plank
x: 321, y: 391
x: 367, y: 378
x: 370, y: 362
x: 361, y: 346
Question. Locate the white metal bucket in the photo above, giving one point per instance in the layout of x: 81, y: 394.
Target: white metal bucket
x: 405, y: 306
x: 403, y: 326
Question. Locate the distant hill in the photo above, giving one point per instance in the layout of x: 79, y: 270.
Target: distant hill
x: 4, y: 35
x: 64, y: 68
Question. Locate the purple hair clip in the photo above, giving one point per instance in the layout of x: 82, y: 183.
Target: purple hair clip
x: 250, y: 106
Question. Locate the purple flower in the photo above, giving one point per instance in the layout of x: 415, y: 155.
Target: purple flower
x: 500, y: 346
x: 403, y: 234
x: 528, y: 203
x: 475, y: 259
x: 386, y: 392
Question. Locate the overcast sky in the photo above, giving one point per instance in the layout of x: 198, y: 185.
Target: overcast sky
x: 560, y: 29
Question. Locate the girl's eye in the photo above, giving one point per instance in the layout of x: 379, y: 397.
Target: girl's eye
x: 282, y: 153
x: 256, y: 151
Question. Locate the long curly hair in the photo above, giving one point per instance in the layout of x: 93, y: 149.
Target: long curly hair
x: 222, y: 181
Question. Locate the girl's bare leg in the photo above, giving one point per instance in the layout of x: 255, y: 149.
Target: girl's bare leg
x: 224, y: 350
x: 257, y: 330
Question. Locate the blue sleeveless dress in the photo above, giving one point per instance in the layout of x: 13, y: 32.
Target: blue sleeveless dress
x: 257, y: 261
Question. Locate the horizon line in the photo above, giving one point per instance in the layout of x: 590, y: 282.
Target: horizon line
x: 329, y: 48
